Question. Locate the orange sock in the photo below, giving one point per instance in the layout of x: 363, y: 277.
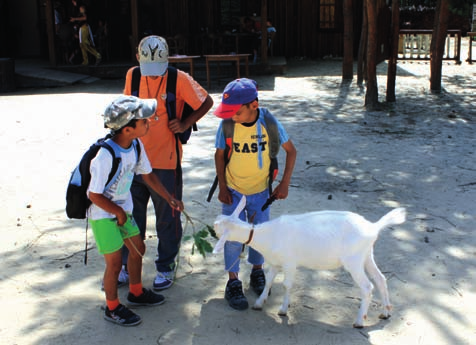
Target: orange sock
x: 112, y: 304
x: 136, y: 289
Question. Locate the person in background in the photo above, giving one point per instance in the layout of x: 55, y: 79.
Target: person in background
x: 86, y: 41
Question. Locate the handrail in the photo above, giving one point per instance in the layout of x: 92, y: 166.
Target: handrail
x: 414, y: 44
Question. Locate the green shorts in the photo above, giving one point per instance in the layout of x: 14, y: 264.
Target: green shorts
x: 109, y: 236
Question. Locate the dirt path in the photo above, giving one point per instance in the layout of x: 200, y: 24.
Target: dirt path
x: 418, y: 153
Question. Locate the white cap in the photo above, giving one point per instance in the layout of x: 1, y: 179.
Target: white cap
x: 153, y: 56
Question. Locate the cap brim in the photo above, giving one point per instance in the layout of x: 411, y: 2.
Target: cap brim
x: 149, y: 106
x: 151, y: 69
x: 226, y: 111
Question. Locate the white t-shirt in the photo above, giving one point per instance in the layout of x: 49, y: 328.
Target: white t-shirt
x: 119, y: 191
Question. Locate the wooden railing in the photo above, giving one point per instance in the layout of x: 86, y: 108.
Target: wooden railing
x: 472, y: 38
x: 415, y: 45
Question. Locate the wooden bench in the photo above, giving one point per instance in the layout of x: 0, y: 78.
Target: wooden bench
x: 231, y: 57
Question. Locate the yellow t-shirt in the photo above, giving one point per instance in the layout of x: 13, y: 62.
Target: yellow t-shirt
x: 248, y: 168
x: 159, y: 142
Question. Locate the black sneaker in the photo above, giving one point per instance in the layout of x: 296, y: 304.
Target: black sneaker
x: 257, y: 281
x: 122, y: 316
x: 146, y: 298
x: 234, y: 295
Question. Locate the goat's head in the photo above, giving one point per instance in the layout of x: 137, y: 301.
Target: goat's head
x: 222, y: 225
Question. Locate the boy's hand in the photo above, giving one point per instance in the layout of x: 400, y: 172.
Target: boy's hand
x: 176, y: 204
x: 224, y: 196
x: 121, y: 217
x: 281, y: 191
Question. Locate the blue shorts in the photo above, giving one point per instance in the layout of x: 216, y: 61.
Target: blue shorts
x: 232, y: 251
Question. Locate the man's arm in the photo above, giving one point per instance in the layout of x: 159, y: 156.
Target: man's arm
x: 177, y: 126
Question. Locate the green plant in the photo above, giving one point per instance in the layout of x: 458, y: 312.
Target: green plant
x: 200, y: 241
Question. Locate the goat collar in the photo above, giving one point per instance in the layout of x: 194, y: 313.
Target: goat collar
x: 250, y: 238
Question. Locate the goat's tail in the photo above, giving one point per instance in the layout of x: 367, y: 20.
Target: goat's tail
x: 394, y: 217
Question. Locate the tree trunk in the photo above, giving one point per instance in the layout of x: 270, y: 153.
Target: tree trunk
x: 371, y: 95
x: 437, y: 47
x: 392, y: 61
x: 361, y: 70
x: 348, y: 62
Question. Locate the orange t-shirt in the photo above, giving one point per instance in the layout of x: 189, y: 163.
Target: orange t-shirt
x: 159, y: 142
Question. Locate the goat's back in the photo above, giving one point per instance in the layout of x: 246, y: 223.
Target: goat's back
x: 319, y: 239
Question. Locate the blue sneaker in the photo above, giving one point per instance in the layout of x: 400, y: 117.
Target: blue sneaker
x: 163, y: 280
x: 234, y: 295
x: 257, y: 281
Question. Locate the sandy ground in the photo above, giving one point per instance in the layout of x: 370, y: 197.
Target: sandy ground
x: 418, y: 153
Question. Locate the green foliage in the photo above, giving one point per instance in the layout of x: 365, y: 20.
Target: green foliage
x: 200, y: 238
x: 460, y: 7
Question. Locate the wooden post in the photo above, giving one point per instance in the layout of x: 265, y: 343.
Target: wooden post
x: 264, y: 31
x: 7, y: 75
x: 135, y: 28
x: 50, y: 31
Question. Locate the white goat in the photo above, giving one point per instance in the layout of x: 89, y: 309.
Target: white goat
x: 318, y: 240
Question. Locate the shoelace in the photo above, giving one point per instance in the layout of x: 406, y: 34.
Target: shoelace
x: 123, y: 312
x: 259, y: 279
x: 235, y: 291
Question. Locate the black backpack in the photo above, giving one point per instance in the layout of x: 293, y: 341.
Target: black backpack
x: 77, y: 201
x: 171, y: 104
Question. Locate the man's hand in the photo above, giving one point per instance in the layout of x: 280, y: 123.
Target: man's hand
x: 176, y: 126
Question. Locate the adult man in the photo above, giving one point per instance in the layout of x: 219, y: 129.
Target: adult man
x: 164, y: 149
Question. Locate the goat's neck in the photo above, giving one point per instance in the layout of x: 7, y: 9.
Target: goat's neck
x: 259, y: 236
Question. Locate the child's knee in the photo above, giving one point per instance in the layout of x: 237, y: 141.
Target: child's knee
x: 136, y: 247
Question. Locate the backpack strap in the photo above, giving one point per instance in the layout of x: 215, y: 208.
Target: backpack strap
x: 171, y: 91
x: 115, y: 162
x: 136, y: 145
x: 135, y: 81
x: 273, y: 133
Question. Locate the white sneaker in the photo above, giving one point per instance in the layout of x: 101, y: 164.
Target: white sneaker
x: 122, y: 280
x: 163, y: 280
x: 123, y: 277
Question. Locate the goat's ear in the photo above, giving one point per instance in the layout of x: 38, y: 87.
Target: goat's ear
x: 220, y: 245
x: 240, y: 207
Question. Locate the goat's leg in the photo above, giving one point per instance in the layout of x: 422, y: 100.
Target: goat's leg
x: 270, y: 275
x: 381, y: 283
x: 356, y: 268
x: 289, y: 274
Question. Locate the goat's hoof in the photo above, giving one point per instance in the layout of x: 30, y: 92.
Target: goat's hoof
x: 282, y: 313
x: 257, y: 307
x: 384, y: 316
x: 356, y: 325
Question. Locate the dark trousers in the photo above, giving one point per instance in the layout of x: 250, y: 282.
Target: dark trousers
x: 167, y: 221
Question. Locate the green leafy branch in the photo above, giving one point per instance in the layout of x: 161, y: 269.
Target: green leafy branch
x: 200, y: 241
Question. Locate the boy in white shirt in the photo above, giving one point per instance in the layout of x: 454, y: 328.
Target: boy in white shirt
x: 110, y: 214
